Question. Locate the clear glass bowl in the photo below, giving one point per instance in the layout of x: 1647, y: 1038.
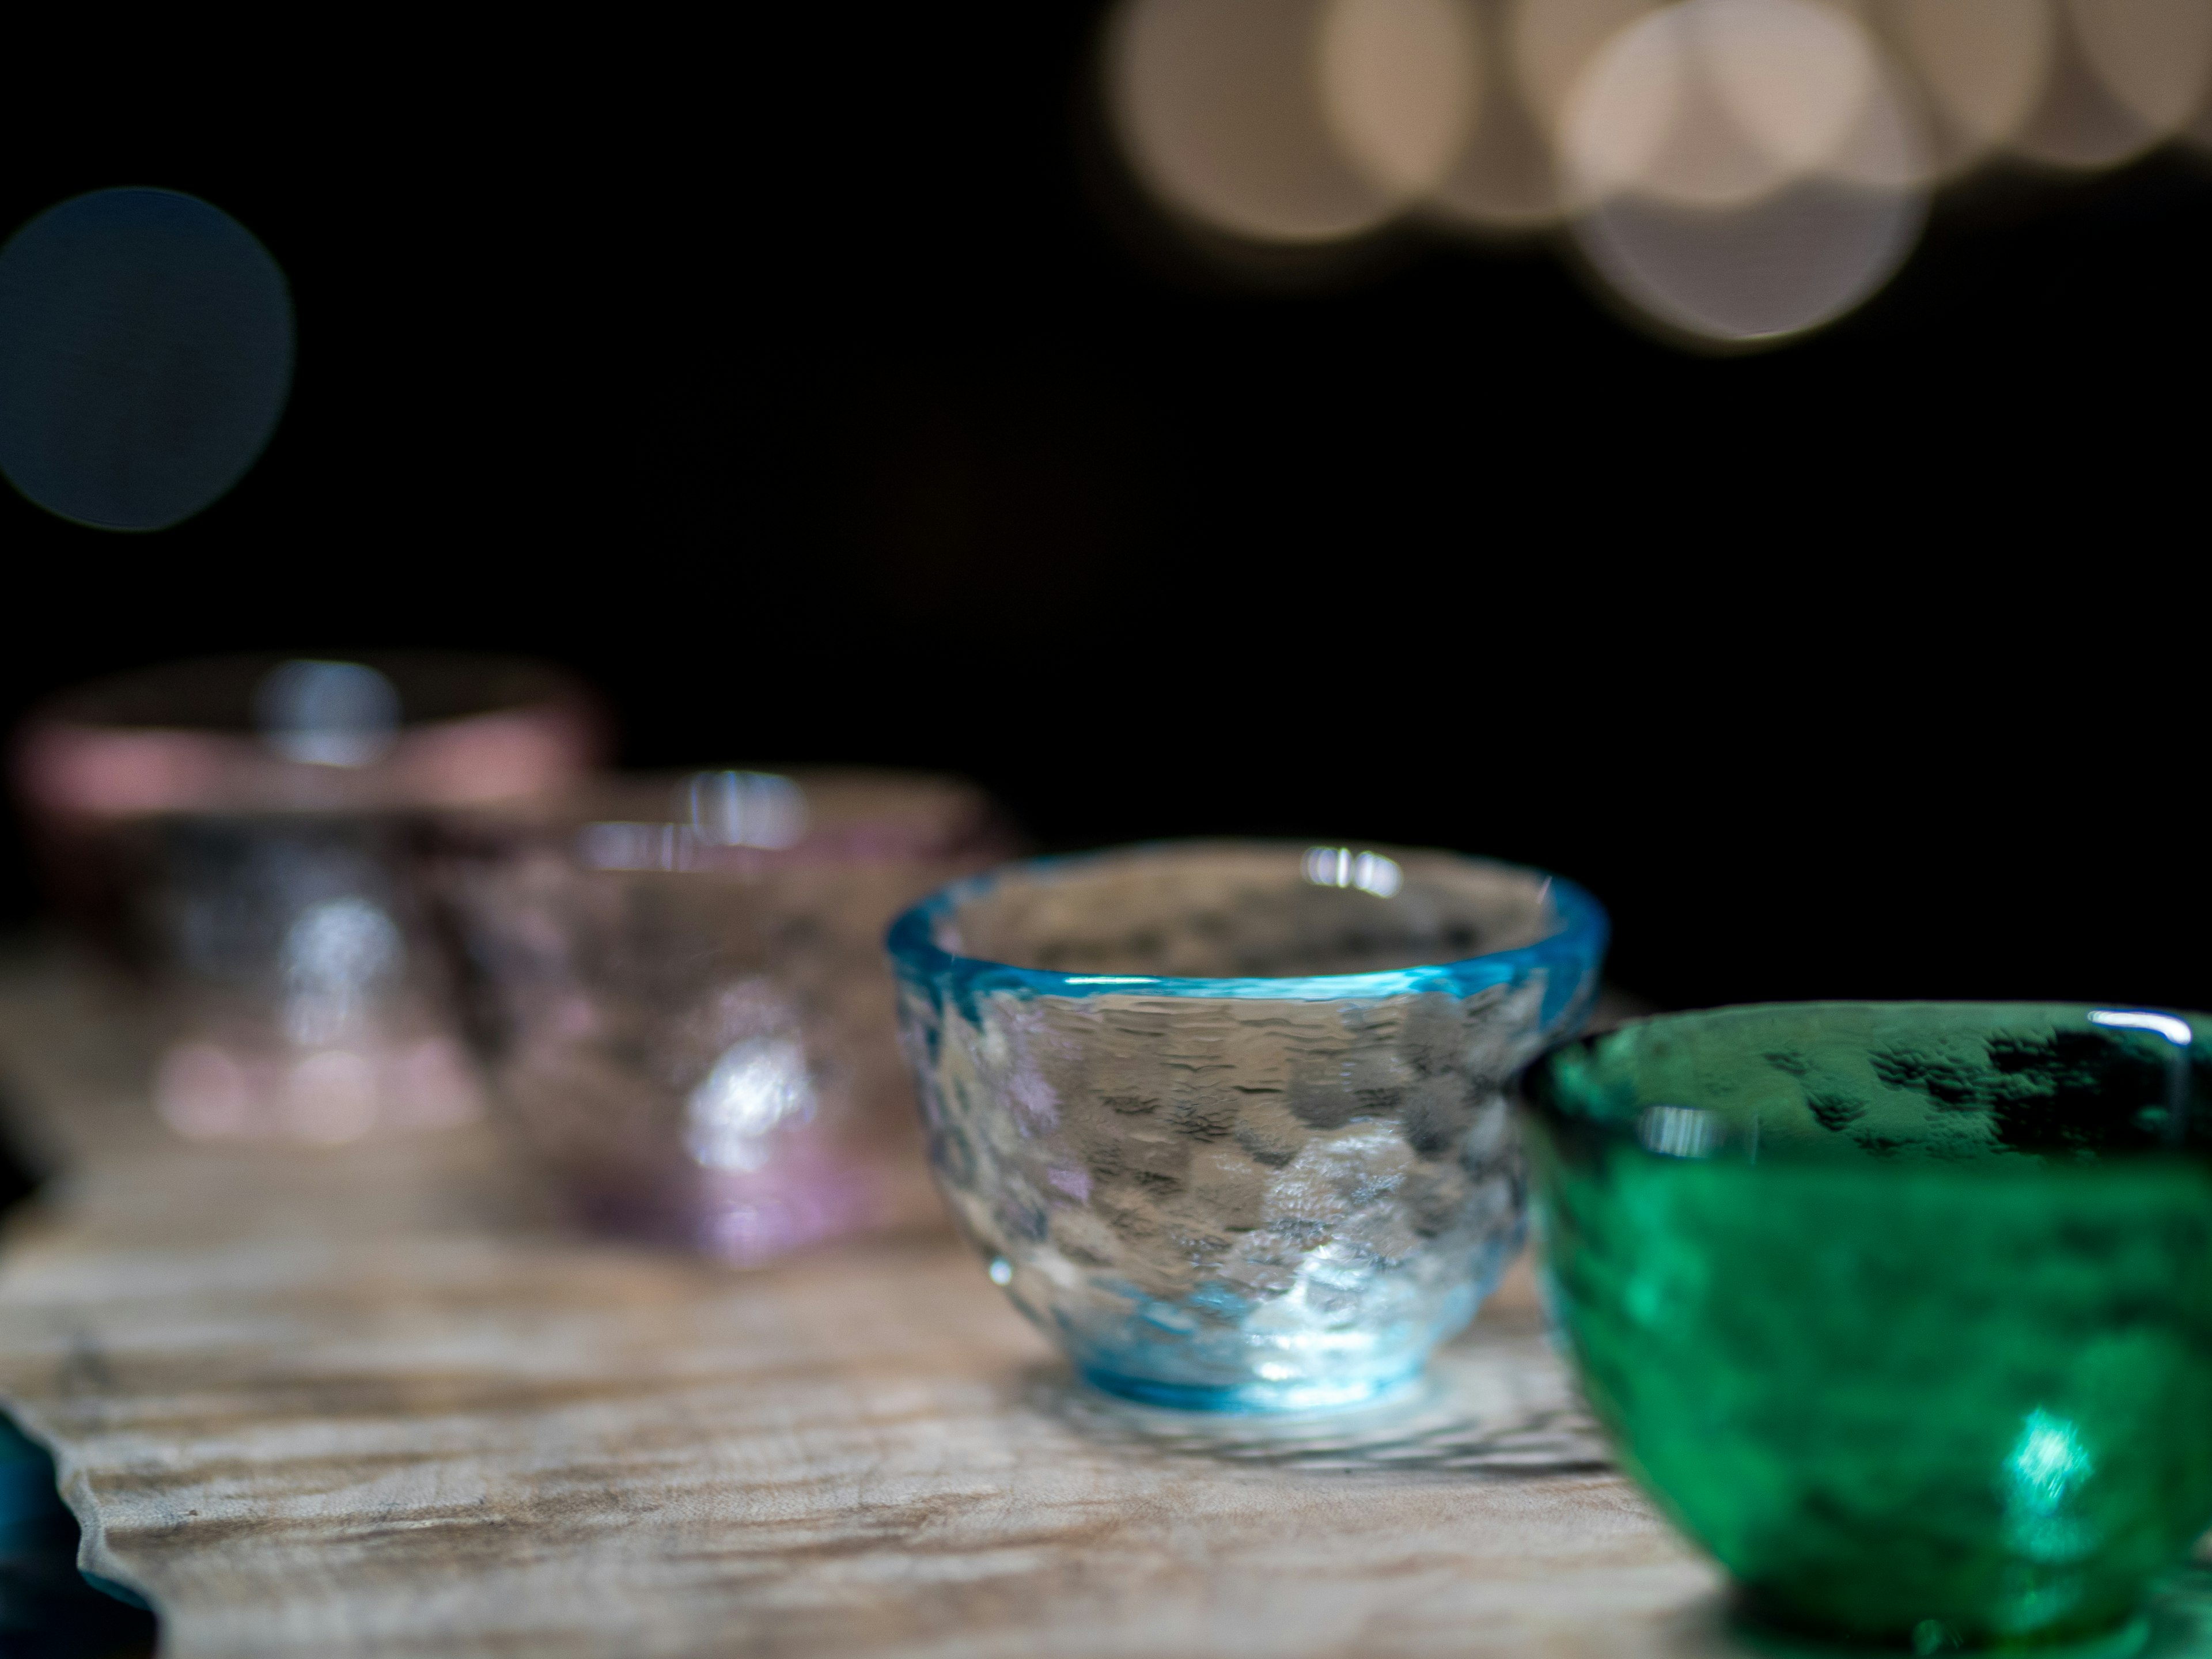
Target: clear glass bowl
x: 244, y: 836
x: 1214, y: 1122
x: 1904, y: 1311
x: 678, y: 985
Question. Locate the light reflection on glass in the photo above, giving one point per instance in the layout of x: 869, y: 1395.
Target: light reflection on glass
x: 745, y: 809
x: 309, y: 993
x: 335, y: 958
x: 2176, y: 1031
x: 635, y: 847
x: 327, y: 714
x: 1339, y: 866
x: 2041, y: 1482
x: 684, y: 996
x: 755, y: 1086
x: 1678, y: 1131
x: 713, y: 810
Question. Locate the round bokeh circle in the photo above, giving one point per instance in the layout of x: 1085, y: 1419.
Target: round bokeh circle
x: 146, y: 346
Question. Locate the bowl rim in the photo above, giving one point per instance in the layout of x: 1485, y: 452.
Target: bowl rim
x: 523, y: 725
x: 1577, y: 944
x: 560, y: 818
x: 2194, y: 1044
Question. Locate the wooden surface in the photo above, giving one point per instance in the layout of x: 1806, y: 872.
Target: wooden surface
x: 368, y: 1400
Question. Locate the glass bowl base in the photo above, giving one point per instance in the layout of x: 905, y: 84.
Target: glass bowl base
x: 749, y: 1225
x: 1298, y: 1395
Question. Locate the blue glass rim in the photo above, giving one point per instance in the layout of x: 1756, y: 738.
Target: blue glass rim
x: 1576, y: 945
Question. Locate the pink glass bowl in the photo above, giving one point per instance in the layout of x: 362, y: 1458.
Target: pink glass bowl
x: 679, y: 983
x: 247, y: 835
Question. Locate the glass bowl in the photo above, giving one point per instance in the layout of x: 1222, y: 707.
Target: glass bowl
x: 1227, y: 1120
x: 679, y: 986
x: 244, y: 836
x: 1904, y: 1311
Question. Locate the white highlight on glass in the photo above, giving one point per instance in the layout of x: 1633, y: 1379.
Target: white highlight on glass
x: 2041, y: 1481
x: 1339, y: 866
x: 634, y: 847
x: 755, y: 1086
x: 1678, y: 1131
x: 2048, y: 1462
x: 745, y: 809
x: 327, y: 714
x: 719, y: 809
x: 2176, y: 1031
x: 335, y: 956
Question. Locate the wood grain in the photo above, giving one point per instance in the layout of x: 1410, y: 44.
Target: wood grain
x: 370, y: 1401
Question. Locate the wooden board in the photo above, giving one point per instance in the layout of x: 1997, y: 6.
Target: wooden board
x: 369, y: 1400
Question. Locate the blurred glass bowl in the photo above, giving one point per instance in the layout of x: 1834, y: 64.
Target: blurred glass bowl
x: 1902, y: 1311
x: 1211, y: 1122
x: 679, y: 985
x: 244, y: 834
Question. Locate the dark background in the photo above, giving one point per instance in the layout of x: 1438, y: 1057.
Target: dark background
x: 818, y: 388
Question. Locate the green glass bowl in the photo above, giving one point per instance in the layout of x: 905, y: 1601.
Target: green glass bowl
x: 1904, y: 1311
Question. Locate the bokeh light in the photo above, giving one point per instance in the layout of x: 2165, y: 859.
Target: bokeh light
x: 145, y: 356
x: 1719, y: 104
x: 2154, y: 55
x: 1735, y: 170
x: 1400, y: 84
x: 2125, y: 76
x: 1503, y: 177
x: 1746, y: 169
x: 1981, y: 66
x: 1775, y: 268
x: 1553, y: 42
x: 1218, y: 106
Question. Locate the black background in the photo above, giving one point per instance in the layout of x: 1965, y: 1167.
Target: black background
x: 816, y: 386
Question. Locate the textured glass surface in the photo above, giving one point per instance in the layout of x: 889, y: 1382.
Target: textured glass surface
x: 680, y: 987
x: 304, y: 994
x: 1904, y: 1312
x: 1214, y: 1122
x: 245, y: 834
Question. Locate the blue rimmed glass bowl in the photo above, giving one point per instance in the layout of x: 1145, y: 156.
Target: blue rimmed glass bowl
x: 1228, y: 1120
